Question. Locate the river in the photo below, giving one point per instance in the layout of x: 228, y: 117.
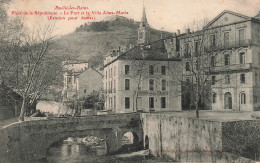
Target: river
x: 81, y: 153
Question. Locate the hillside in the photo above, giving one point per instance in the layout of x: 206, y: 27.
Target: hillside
x: 87, y: 44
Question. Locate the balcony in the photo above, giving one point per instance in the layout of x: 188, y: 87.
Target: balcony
x: 235, y: 67
x: 229, y: 45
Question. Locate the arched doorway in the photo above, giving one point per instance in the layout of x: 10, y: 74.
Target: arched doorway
x: 146, y: 142
x: 130, y: 142
x: 228, y: 100
x: 130, y: 138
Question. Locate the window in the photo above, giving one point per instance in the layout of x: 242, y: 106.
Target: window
x: 163, y: 70
x: 114, y: 102
x: 213, y: 80
x: 213, y: 61
x: 186, y: 50
x: 242, y: 79
x: 85, y: 90
x: 242, y: 58
x: 212, y: 40
x: 227, y: 79
x: 127, y: 69
x: 187, y: 80
x: 196, y: 48
x: 127, y: 84
x: 243, y: 98
x: 151, y: 82
x: 115, y: 71
x: 151, y: 70
x: 69, y: 79
x: 214, y: 98
x: 111, y: 72
x: 106, y: 74
x: 241, y: 36
x: 227, y: 59
x: 226, y: 38
x: 127, y: 102
x: 114, y: 86
x: 163, y: 84
x: 187, y: 66
x: 256, y: 77
x: 151, y: 102
x: 163, y: 102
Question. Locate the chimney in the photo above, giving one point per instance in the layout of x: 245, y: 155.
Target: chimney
x: 178, y: 32
x: 188, y: 30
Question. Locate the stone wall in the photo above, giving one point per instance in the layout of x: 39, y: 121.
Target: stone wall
x: 189, y: 139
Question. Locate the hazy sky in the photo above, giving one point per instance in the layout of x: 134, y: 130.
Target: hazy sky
x: 169, y: 14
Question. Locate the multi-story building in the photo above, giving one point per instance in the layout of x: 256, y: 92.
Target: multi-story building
x: 71, y: 71
x: 139, y: 79
x: 80, y: 81
x: 88, y: 81
x: 232, y: 40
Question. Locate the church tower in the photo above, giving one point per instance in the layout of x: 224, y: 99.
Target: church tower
x: 143, y: 31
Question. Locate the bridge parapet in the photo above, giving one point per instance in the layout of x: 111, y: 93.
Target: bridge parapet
x: 31, y: 139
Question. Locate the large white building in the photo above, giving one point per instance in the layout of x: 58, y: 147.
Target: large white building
x: 233, y: 41
x: 140, y: 79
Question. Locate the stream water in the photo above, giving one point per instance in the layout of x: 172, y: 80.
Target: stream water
x: 81, y: 153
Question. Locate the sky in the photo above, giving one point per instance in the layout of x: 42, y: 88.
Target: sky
x: 168, y: 15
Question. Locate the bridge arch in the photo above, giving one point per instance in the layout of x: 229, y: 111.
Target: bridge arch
x: 133, y: 137
x: 60, y: 137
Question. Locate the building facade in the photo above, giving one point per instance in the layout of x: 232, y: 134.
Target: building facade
x: 232, y: 41
x: 88, y: 81
x: 79, y: 81
x: 139, y: 79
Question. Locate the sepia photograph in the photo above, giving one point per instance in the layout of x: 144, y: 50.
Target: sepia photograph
x: 116, y: 81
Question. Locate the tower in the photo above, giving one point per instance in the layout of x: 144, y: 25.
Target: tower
x: 143, y: 31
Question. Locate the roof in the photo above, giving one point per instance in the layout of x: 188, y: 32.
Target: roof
x: 257, y: 16
x: 227, y: 11
x: 91, y: 68
x: 144, y: 22
x: 153, y: 51
x: 8, y: 92
x: 74, y: 61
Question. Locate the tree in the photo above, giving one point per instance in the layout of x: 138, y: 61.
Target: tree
x: 94, y: 101
x: 28, y: 62
x: 139, y: 69
x: 198, y: 62
x: 144, y: 63
x: 39, y: 65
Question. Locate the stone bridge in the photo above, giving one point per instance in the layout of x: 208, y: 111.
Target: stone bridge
x: 31, y: 139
